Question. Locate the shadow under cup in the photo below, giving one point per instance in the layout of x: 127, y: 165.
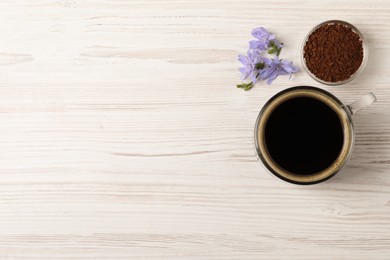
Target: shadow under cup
x: 304, y: 135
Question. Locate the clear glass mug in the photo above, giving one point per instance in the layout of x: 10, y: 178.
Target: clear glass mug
x: 344, y: 112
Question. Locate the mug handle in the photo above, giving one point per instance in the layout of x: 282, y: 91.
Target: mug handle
x: 361, y: 103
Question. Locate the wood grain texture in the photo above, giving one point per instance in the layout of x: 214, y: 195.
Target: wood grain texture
x: 123, y: 136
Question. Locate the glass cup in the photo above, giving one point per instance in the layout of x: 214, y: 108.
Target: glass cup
x: 365, y: 53
x: 344, y: 113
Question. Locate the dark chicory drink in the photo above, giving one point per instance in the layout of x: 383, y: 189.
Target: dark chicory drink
x: 304, y: 135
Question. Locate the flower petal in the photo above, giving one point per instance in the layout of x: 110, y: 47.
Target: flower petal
x: 254, y: 56
x: 266, y: 61
x: 271, y: 37
x: 272, y: 77
x: 260, y: 33
x: 245, y: 72
x: 258, y: 44
x: 289, y: 67
x: 267, y: 72
x: 254, y: 76
x: 244, y: 60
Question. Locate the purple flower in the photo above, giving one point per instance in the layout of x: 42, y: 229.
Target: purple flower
x: 263, y: 39
x: 258, y: 67
x: 250, y: 61
x: 275, y: 67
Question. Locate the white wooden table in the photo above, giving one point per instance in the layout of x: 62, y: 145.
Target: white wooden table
x: 123, y: 135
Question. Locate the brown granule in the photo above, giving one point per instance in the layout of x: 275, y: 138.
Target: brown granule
x: 333, y: 52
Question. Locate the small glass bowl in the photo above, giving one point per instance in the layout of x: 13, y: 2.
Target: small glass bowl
x: 365, y: 53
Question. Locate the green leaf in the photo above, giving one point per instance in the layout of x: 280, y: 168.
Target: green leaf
x: 274, y: 49
x: 271, y: 51
x: 245, y: 86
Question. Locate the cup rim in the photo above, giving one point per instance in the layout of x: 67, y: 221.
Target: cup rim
x: 310, y: 179
x: 359, y: 70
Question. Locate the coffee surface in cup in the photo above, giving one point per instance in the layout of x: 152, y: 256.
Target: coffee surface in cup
x: 304, y: 135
